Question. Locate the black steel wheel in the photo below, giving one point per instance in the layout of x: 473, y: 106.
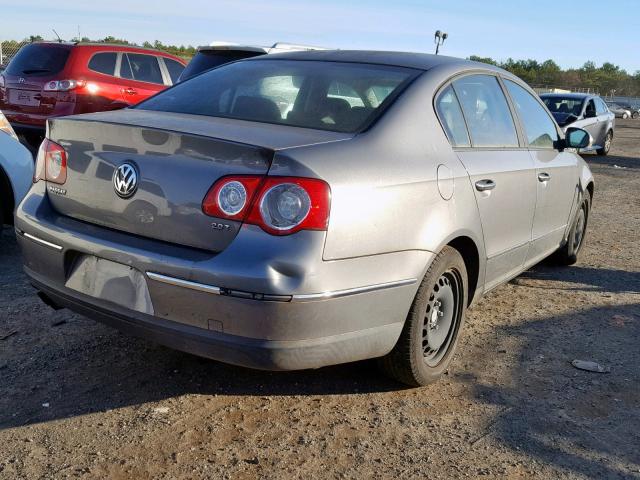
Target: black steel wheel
x: 430, y: 334
x: 442, y: 317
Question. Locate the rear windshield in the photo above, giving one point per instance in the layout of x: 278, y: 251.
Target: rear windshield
x: 340, y: 97
x: 39, y: 60
x: 208, y: 59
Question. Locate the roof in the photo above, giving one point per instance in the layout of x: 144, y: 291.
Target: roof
x: 104, y: 44
x: 577, y: 96
x: 422, y: 61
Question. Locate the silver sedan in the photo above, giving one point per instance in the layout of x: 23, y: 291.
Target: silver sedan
x: 306, y: 209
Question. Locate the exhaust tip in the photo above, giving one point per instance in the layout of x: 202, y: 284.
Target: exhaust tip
x: 48, y: 301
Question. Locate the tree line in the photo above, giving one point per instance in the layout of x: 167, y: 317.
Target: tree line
x: 183, y: 51
x: 608, y: 79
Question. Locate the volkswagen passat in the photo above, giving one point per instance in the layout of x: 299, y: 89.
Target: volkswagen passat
x: 307, y: 209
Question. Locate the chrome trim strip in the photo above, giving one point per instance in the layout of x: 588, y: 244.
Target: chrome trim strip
x: 352, y: 291
x: 41, y: 241
x: 201, y: 287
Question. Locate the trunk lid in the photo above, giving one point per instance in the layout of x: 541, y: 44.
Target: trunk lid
x: 177, y: 158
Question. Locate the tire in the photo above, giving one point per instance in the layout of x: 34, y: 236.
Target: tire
x: 608, y: 140
x: 625, y: 116
x: 635, y: 115
x: 430, y: 334
x: 568, y: 253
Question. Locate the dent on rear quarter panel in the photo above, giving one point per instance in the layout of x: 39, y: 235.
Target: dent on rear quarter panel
x: 384, y: 193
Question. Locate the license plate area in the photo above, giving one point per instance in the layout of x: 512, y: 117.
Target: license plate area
x: 25, y: 98
x: 110, y: 281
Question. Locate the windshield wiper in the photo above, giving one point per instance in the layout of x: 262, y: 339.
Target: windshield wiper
x: 35, y: 70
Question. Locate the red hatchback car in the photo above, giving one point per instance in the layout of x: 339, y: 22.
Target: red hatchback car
x: 48, y: 79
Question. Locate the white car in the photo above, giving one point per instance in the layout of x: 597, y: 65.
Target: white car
x: 16, y: 171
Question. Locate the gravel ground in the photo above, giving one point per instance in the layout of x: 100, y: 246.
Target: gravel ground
x: 78, y: 399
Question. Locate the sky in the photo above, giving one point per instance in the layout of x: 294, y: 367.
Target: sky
x: 521, y: 29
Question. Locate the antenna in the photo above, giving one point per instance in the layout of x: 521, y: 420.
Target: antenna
x: 439, y: 39
x: 59, y: 39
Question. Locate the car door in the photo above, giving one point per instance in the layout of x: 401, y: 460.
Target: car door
x: 103, y: 83
x: 556, y: 173
x: 590, y: 120
x: 501, y: 172
x: 141, y: 76
x: 605, y: 119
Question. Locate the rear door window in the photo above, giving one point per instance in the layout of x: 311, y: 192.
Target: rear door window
x: 39, y: 59
x: 601, y: 107
x: 486, y: 111
x: 104, y: 62
x: 174, y: 68
x: 540, y: 129
x: 140, y: 67
x: 451, y: 118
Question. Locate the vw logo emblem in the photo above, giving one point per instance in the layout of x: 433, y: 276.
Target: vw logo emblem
x: 21, y: 80
x: 125, y: 180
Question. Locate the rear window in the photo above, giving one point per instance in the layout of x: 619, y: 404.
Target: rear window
x: 39, y: 60
x: 208, y: 59
x: 340, y: 97
x: 103, y: 63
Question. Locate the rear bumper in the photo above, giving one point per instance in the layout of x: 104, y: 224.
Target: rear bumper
x: 268, y: 305
x: 32, y: 121
x: 233, y: 349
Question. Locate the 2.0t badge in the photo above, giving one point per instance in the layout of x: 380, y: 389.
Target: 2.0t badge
x: 125, y: 180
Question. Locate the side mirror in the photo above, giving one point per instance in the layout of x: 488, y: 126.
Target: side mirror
x: 577, y: 138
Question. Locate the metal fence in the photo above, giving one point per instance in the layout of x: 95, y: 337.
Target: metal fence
x: 8, y: 49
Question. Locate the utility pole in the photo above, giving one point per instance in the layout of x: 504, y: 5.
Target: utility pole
x: 439, y: 39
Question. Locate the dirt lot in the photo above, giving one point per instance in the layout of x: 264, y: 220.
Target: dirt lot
x: 78, y: 399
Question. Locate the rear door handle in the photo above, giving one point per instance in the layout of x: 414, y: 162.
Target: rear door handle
x: 484, y: 185
x: 544, y: 177
x: 129, y: 91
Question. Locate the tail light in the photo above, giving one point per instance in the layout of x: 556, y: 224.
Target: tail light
x: 6, y: 127
x: 63, y: 85
x: 51, y: 163
x: 278, y: 205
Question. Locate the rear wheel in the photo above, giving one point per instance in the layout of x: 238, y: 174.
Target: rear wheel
x: 568, y: 253
x: 608, y: 140
x: 430, y: 334
x: 635, y: 115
